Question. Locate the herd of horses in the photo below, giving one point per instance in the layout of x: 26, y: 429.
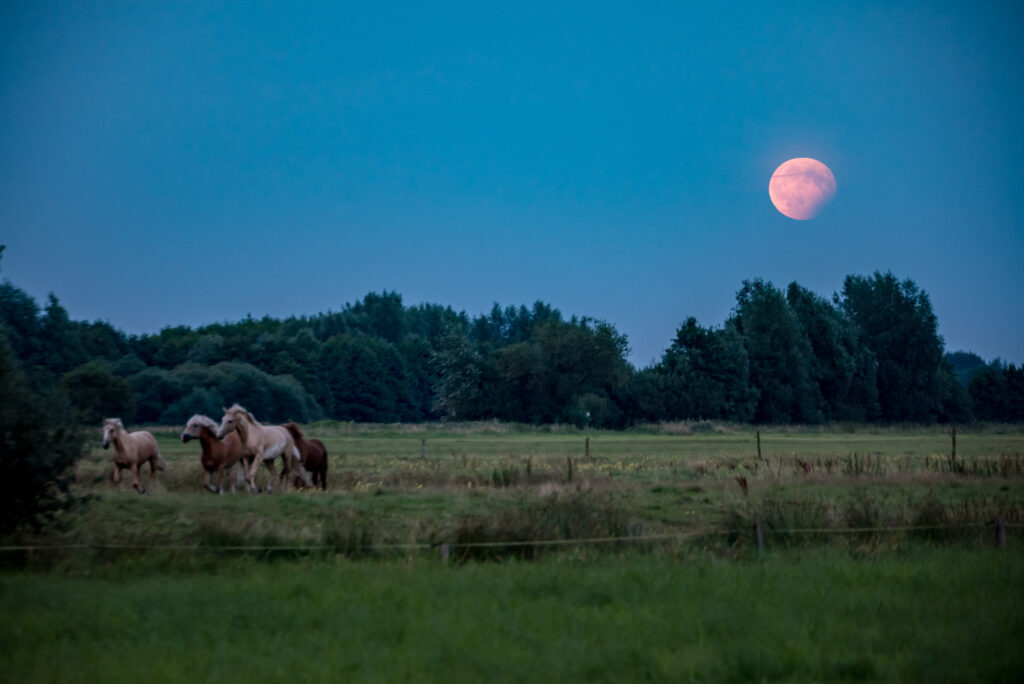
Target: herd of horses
x: 239, y: 441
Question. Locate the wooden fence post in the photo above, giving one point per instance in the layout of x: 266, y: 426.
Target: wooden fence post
x: 586, y: 448
x: 568, y: 460
x: 423, y: 448
x: 445, y: 552
x: 1001, y: 534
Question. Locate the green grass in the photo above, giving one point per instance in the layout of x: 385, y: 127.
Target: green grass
x: 921, y: 615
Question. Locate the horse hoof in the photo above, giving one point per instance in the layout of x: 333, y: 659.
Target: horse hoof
x: 211, y: 489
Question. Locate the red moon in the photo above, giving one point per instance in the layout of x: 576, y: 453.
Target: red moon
x: 800, y: 187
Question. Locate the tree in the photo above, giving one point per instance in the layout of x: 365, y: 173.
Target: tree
x: 705, y: 374
x: 366, y: 378
x: 841, y: 366
x: 96, y: 393
x: 461, y: 371
x: 39, y: 446
x: 779, y: 355
x: 897, y: 324
x: 964, y: 365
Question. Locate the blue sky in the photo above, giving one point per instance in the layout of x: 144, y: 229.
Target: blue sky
x: 187, y: 163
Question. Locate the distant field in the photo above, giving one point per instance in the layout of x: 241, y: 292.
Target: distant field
x: 879, y: 561
x: 492, y: 482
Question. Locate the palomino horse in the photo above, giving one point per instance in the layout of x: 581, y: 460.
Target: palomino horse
x: 264, y: 444
x: 132, y: 450
x: 313, y: 453
x: 219, y: 456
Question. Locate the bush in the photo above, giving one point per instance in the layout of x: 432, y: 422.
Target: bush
x: 39, y: 445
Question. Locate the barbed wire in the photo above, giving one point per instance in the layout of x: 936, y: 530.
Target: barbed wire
x: 680, y: 536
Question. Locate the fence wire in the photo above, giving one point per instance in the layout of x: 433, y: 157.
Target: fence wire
x: 412, y: 546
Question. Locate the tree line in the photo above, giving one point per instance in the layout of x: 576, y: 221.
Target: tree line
x: 871, y: 353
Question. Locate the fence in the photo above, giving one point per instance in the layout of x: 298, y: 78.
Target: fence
x: 998, y: 527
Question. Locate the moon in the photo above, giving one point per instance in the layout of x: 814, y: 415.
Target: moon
x: 800, y: 187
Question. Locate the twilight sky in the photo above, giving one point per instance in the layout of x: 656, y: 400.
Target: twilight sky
x: 187, y: 163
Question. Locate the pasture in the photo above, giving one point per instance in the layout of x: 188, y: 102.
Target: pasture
x: 879, y: 560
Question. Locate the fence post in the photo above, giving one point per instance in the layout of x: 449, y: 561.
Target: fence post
x: 758, y: 445
x: 952, y: 458
x: 568, y: 460
x: 423, y: 448
x: 586, y: 448
x: 760, y: 536
x: 445, y: 552
x: 1001, y: 534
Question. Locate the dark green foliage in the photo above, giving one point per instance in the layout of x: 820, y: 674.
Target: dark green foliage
x: 705, y: 374
x: 964, y: 365
x: 39, y: 445
x: 779, y: 354
x: 871, y: 354
x: 366, y: 379
x: 997, y: 393
x: 97, y: 393
x: 461, y: 373
x: 841, y: 367
x: 897, y: 324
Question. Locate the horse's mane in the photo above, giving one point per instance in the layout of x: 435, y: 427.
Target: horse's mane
x: 238, y: 408
x: 203, y: 421
x: 296, y: 431
x: 113, y: 421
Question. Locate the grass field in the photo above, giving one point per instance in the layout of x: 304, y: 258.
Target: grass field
x: 930, y: 615
x: 879, y: 563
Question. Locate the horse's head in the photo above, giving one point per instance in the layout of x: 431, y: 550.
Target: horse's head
x: 233, y: 417
x: 195, y: 424
x: 111, y: 428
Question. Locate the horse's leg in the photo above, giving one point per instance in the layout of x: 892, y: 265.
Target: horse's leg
x: 253, y: 467
x: 206, y: 482
x: 303, y: 473
x: 135, y: 479
x: 273, y: 473
x: 285, y: 471
x: 116, y: 475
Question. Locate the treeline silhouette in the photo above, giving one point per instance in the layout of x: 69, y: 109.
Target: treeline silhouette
x: 872, y: 353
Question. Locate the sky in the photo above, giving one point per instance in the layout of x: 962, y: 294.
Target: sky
x: 191, y: 163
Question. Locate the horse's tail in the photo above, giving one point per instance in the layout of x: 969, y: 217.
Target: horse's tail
x: 161, y: 464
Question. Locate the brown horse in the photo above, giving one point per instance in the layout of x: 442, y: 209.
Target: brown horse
x: 313, y: 453
x: 219, y: 455
x: 132, y: 450
x: 263, y: 444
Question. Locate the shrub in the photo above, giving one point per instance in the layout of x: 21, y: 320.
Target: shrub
x: 39, y: 445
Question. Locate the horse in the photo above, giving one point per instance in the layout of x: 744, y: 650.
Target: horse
x: 219, y: 456
x: 264, y: 444
x: 132, y: 450
x: 314, y: 455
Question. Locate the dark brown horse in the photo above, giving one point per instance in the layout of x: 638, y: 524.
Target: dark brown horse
x: 219, y: 455
x: 314, y: 456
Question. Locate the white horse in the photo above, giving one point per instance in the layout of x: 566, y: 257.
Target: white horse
x: 264, y: 444
x: 132, y: 450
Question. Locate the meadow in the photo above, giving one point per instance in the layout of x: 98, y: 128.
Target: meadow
x: 878, y: 560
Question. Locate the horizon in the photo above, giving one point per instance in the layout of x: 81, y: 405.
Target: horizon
x: 164, y: 165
